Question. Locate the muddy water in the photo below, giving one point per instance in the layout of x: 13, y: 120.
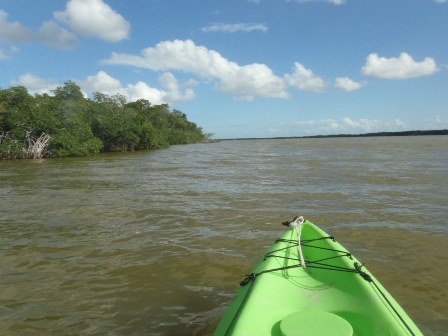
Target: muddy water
x: 154, y: 243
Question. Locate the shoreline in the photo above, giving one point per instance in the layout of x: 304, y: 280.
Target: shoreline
x: 362, y: 135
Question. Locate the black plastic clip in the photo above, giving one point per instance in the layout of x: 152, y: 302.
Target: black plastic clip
x: 364, y: 275
x: 248, y: 279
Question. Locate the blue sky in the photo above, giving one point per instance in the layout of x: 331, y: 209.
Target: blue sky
x: 242, y: 68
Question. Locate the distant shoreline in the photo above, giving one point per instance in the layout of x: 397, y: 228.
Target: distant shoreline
x: 363, y: 135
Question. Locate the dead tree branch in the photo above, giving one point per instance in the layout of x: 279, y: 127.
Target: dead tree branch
x: 36, y: 146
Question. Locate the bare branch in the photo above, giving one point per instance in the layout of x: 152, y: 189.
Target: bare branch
x: 36, y: 146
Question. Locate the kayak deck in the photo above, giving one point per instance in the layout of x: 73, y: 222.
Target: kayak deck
x: 331, y: 294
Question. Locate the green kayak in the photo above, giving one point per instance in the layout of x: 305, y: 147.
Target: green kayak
x: 308, y: 284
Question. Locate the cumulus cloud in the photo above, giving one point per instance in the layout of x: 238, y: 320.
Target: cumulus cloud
x: 235, y: 27
x: 243, y: 81
x: 305, y: 79
x: 141, y: 90
x: 347, y: 84
x: 253, y: 80
x: 86, y: 17
x: 56, y: 36
x: 94, y: 18
x: 13, y: 32
x: 36, y: 84
x: 50, y: 33
x: 104, y: 83
x: 402, y: 67
x: 172, y: 91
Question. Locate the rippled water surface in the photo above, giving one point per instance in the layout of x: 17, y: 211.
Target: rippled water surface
x: 154, y: 243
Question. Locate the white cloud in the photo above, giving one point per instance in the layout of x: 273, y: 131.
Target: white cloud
x: 141, y: 90
x: 52, y: 34
x: 104, y: 83
x: 36, y: 84
x: 235, y: 27
x: 369, y: 125
x: 347, y: 84
x: 246, y: 82
x: 87, y: 17
x: 402, y: 67
x: 94, y: 18
x: 13, y: 32
x: 305, y: 79
x: 313, y: 127
x: 49, y: 33
x: 441, y: 1
x: 346, y: 126
x: 174, y: 89
x: 253, y: 80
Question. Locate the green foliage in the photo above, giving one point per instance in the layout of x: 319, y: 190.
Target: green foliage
x: 113, y: 123
x: 10, y: 148
x: 78, y: 141
x: 79, y: 126
x: 16, y: 105
x: 151, y: 138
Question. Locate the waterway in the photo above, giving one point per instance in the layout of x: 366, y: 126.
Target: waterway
x: 155, y: 242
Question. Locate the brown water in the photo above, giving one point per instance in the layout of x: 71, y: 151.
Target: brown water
x: 154, y: 243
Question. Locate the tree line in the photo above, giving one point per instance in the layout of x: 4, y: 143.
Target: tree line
x: 68, y: 124
x: 384, y: 134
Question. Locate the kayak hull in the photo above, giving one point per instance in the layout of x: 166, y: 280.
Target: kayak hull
x: 319, y: 288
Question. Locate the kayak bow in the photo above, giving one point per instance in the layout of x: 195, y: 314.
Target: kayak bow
x: 309, y: 284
